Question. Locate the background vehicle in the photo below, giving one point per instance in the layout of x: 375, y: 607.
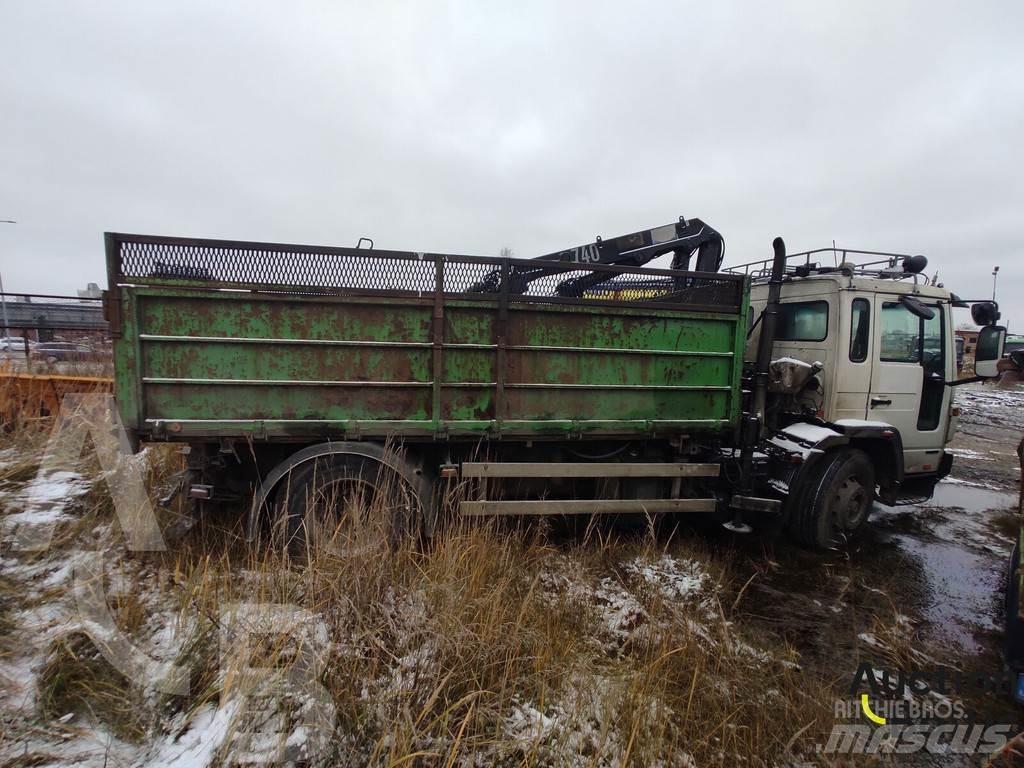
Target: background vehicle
x: 62, y: 351
x: 14, y: 344
x: 1014, y: 343
x: 577, y: 383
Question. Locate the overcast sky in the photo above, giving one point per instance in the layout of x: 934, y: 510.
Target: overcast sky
x: 468, y: 127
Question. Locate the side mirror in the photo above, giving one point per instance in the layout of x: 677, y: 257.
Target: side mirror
x: 916, y: 308
x: 989, y: 351
x: 985, y: 313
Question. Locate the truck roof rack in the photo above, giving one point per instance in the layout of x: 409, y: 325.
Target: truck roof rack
x: 892, y: 266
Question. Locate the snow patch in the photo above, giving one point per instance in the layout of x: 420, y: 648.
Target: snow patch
x: 811, y: 433
x: 197, y: 744
x: 967, y: 453
x: 862, y: 423
x: 45, y: 500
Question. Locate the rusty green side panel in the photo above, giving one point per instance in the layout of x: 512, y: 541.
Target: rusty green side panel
x: 192, y: 362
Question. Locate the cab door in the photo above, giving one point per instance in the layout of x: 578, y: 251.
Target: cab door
x: 852, y: 380
x: 908, y: 379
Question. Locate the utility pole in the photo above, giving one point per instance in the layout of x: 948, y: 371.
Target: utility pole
x: 3, y: 297
x: 995, y: 275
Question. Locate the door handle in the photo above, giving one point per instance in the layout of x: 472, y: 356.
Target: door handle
x: 880, y: 401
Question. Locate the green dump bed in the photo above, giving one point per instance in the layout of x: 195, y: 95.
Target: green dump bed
x: 283, y: 342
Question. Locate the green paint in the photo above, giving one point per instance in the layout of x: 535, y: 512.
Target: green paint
x: 254, y: 341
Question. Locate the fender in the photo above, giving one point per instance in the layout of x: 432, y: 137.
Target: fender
x: 879, y: 440
x: 884, y: 444
x: 808, y: 440
x: 386, y: 457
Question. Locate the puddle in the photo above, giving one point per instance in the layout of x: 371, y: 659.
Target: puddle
x: 959, y: 556
x: 969, y: 497
x: 962, y: 588
x: 959, y: 513
x: 942, y: 560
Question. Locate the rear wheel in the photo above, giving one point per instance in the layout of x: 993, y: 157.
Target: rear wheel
x: 346, y: 504
x: 834, y: 500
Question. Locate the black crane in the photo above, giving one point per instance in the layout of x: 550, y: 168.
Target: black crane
x: 682, y: 239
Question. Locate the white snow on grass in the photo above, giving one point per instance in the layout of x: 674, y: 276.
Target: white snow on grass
x: 43, y: 502
x: 580, y: 726
x: 869, y: 639
x: 679, y: 590
x: 681, y: 580
x: 67, y: 742
x: 8, y: 456
x: 622, y: 616
x: 527, y: 726
x: 198, y: 742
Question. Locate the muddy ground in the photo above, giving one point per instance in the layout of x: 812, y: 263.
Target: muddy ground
x: 942, y: 565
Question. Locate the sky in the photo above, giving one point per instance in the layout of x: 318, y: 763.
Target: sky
x: 468, y: 127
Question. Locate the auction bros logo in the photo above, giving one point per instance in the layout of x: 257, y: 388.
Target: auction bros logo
x: 906, y: 711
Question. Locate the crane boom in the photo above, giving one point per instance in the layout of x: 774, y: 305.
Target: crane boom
x: 682, y: 239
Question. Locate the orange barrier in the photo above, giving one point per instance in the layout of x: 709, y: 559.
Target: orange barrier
x: 28, y: 396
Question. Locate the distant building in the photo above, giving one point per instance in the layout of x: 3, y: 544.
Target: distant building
x: 970, y: 341
x: 91, y: 291
x: 966, y: 341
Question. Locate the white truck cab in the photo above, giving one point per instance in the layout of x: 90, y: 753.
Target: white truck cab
x: 853, y: 384
x: 880, y: 362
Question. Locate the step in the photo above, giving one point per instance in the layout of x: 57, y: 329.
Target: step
x: 587, y: 469
x: 585, y: 507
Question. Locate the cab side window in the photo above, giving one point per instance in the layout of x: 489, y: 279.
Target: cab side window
x: 901, y: 334
x: 933, y: 343
x: 803, y: 321
x: 860, y: 330
x: 909, y: 339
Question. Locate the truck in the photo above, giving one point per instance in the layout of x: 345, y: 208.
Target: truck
x: 329, y: 389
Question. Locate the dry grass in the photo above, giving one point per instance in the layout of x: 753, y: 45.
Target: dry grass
x: 8, y: 599
x: 517, y: 651
x: 77, y: 679
x: 491, y: 646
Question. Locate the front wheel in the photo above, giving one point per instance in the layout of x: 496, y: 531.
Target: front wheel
x: 834, y: 500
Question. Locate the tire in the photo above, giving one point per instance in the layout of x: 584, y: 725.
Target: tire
x: 348, y: 504
x: 834, y: 501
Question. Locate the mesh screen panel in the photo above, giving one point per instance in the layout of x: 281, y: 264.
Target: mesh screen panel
x: 311, y: 269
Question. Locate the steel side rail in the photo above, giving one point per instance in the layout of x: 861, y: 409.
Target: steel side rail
x: 587, y: 469
x: 584, y: 507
